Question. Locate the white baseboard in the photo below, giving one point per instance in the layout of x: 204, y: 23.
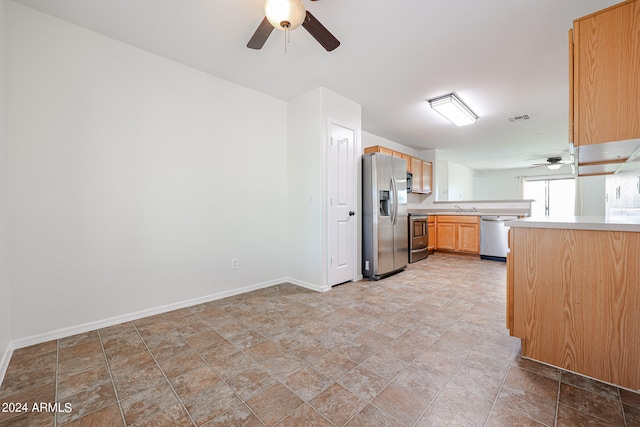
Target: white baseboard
x: 66, y: 332
x: 311, y: 286
x: 4, y: 360
x: 99, y: 324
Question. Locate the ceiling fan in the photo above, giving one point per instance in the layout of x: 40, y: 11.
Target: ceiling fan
x: 553, y: 163
x: 288, y: 15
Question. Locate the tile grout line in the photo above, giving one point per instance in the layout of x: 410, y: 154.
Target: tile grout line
x: 242, y: 401
x: 164, y: 375
x: 55, y: 398
x: 624, y: 413
x: 113, y: 383
x: 504, y: 379
x: 555, y: 419
x: 407, y: 367
x: 452, y: 374
x: 308, y: 363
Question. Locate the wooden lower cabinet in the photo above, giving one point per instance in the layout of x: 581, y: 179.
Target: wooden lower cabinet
x: 458, y: 233
x: 446, y: 236
x: 432, y: 233
x: 573, y: 297
x: 469, y: 238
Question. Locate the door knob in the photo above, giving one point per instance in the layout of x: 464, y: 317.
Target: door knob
x: 351, y: 213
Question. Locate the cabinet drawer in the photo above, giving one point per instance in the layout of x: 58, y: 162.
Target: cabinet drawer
x: 459, y: 219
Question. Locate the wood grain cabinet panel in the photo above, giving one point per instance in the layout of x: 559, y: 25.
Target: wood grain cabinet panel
x: 606, y: 66
x: 458, y: 233
x: 427, y: 177
x: 422, y: 171
x: 604, y: 89
x: 576, y: 300
x: 431, y: 224
x: 446, y: 234
x: 468, y: 238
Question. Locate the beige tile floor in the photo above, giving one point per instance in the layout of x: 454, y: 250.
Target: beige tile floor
x: 427, y: 347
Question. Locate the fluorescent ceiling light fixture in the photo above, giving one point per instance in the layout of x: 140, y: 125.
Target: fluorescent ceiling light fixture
x: 454, y: 110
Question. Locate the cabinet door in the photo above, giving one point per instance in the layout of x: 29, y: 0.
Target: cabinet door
x: 446, y: 236
x: 385, y: 150
x: 416, y: 170
x: 427, y: 172
x: 606, y: 66
x: 407, y: 158
x: 432, y: 236
x: 468, y: 240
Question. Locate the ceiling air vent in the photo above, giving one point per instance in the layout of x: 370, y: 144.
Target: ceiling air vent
x: 518, y: 118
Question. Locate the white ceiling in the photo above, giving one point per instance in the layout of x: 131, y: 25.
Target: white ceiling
x: 502, y: 57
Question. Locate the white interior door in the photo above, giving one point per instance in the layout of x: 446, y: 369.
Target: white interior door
x: 342, y: 201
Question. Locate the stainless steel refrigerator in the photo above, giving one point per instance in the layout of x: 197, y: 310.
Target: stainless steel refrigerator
x: 385, y: 230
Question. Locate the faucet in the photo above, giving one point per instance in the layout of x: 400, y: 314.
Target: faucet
x: 474, y: 209
x: 459, y: 208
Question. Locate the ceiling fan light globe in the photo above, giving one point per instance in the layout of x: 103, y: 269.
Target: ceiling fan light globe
x: 285, y: 14
x: 554, y: 166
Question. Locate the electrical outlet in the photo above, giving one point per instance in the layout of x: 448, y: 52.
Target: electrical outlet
x: 234, y: 263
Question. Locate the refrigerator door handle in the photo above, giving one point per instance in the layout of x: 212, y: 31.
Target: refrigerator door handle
x: 394, y: 189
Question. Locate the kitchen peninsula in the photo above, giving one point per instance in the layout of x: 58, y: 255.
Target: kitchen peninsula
x: 573, y: 295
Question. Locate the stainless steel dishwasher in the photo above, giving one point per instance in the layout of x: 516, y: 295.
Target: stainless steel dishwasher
x: 494, y: 235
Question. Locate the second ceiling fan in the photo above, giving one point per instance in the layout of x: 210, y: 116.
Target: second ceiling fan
x: 288, y: 15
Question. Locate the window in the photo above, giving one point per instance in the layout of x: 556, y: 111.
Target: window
x: 551, y: 196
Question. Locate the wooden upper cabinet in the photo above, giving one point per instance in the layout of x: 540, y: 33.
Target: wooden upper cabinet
x: 378, y: 149
x: 416, y: 170
x: 427, y: 177
x: 407, y: 159
x: 390, y: 152
x: 604, y: 77
x: 422, y: 171
x: 422, y: 176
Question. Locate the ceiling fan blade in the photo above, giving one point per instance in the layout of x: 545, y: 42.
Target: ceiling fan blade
x: 320, y: 33
x: 261, y: 35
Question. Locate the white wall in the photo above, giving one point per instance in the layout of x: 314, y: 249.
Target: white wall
x: 370, y: 140
x: 309, y: 118
x: 5, y: 297
x: 133, y: 180
x: 460, y: 179
x: 504, y: 184
x: 305, y: 173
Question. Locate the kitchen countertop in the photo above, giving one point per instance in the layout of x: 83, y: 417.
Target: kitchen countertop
x: 598, y: 223
x: 518, y: 212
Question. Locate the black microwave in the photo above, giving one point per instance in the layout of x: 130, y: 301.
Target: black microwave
x: 409, y: 181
